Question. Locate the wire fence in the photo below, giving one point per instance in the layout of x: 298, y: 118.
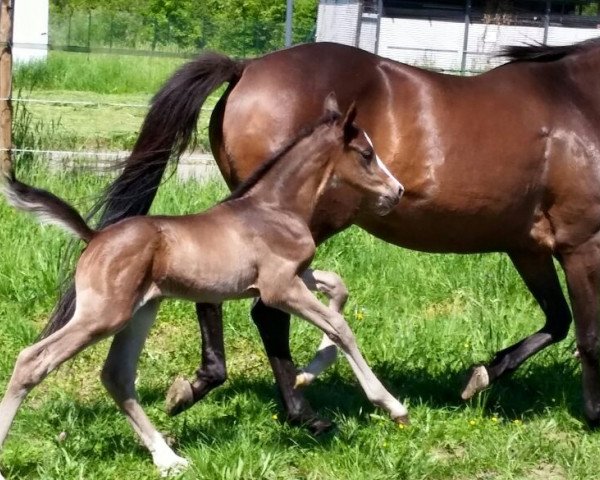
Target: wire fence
x: 103, y: 30
x: 84, y: 47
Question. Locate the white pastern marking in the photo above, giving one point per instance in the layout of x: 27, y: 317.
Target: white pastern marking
x: 382, y: 165
x: 167, y: 461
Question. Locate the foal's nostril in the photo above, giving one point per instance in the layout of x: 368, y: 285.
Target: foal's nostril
x: 400, y: 191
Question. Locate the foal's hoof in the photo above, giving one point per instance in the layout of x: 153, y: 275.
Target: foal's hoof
x: 479, y: 380
x: 180, y: 396
x: 303, y: 379
x: 172, y: 467
x: 402, y: 420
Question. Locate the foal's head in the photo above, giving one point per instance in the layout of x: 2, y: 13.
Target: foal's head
x: 356, y: 163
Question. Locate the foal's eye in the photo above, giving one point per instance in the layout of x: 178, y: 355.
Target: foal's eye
x: 367, y: 155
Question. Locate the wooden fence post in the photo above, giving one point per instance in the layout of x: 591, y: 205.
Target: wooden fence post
x: 6, y: 31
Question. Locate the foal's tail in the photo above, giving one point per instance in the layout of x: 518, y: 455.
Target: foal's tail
x: 47, y: 207
x: 166, y: 132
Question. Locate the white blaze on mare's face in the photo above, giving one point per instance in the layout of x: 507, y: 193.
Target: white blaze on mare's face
x: 396, y: 183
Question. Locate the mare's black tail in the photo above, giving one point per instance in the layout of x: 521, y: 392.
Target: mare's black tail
x: 167, y: 131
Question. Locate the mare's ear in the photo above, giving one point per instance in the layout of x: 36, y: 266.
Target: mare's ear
x: 350, y: 131
x: 331, y: 109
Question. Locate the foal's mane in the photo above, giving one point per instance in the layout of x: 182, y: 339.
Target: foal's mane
x: 545, y: 53
x: 267, y: 165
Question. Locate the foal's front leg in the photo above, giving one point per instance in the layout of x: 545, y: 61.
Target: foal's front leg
x: 331, y: 285
x: 298, y: 300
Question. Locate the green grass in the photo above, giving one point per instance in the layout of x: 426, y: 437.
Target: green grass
x: 421, y: 321
x: 100, y: 73
x: 100, y: 127
x: 108, y: 81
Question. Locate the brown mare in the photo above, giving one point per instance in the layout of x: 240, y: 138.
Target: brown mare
x: 256, y: 242
x: 507, y: 161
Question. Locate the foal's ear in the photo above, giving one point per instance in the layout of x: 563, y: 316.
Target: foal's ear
x: 331, y: 109
x: 350, y: 131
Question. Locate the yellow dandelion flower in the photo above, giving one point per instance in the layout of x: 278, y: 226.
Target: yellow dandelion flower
x: 401, y: 426
x: 472, y: 422
x: 274, y: 416
x: 359, y: 315
x: 495, y: 419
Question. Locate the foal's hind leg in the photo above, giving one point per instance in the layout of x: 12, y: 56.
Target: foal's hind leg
x: 34, y: 363
x: 298, y: 300
x: 331, y: 285
x: 118, y: 376
x: 213, y: 372
x: 539, y: 274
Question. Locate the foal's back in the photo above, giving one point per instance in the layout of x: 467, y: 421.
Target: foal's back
x: 210, y: 256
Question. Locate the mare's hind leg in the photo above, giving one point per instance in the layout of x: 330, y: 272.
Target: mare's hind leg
x: 539, y: 274
x: 334, y: 288
x: 582, y: 269
x: 34, y: 363
x: 213, y: 371
x: 274, y: 328
x: 118, y: 376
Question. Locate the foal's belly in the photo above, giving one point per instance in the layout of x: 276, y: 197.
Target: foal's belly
x: 207, y: 282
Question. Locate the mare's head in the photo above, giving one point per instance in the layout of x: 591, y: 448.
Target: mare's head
x: 355, y: 162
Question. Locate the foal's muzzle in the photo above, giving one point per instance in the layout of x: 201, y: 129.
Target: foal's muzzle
x: 387, y: 201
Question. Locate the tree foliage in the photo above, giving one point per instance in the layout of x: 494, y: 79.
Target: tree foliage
x: 241, y: 27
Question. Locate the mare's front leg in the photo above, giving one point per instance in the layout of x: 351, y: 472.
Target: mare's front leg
x: 538, y: 272
x: 298, y: 300
x: 582, y: 271
x: 213, y: 370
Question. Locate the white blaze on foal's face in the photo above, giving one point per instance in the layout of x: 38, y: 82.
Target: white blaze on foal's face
x: 396, y: 184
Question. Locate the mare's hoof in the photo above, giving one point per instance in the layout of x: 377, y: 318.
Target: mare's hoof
x: 402, y: 420
x: 478, y: 380
x: 315, y: 425
x: 180, y: 396
x: 320, y: 425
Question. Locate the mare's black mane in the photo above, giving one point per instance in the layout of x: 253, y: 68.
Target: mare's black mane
x: 267, y: 165
x: 545, y: 53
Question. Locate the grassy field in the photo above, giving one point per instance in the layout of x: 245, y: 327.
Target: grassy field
x: 421, y: 321
x: 110, y: 82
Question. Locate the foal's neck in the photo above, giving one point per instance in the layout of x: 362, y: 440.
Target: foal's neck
x: 297, y: 181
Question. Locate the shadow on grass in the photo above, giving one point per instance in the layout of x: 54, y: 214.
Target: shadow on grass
x: 535, y: 389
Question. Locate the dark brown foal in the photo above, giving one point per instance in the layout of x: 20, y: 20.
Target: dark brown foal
x: 255, y: 243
